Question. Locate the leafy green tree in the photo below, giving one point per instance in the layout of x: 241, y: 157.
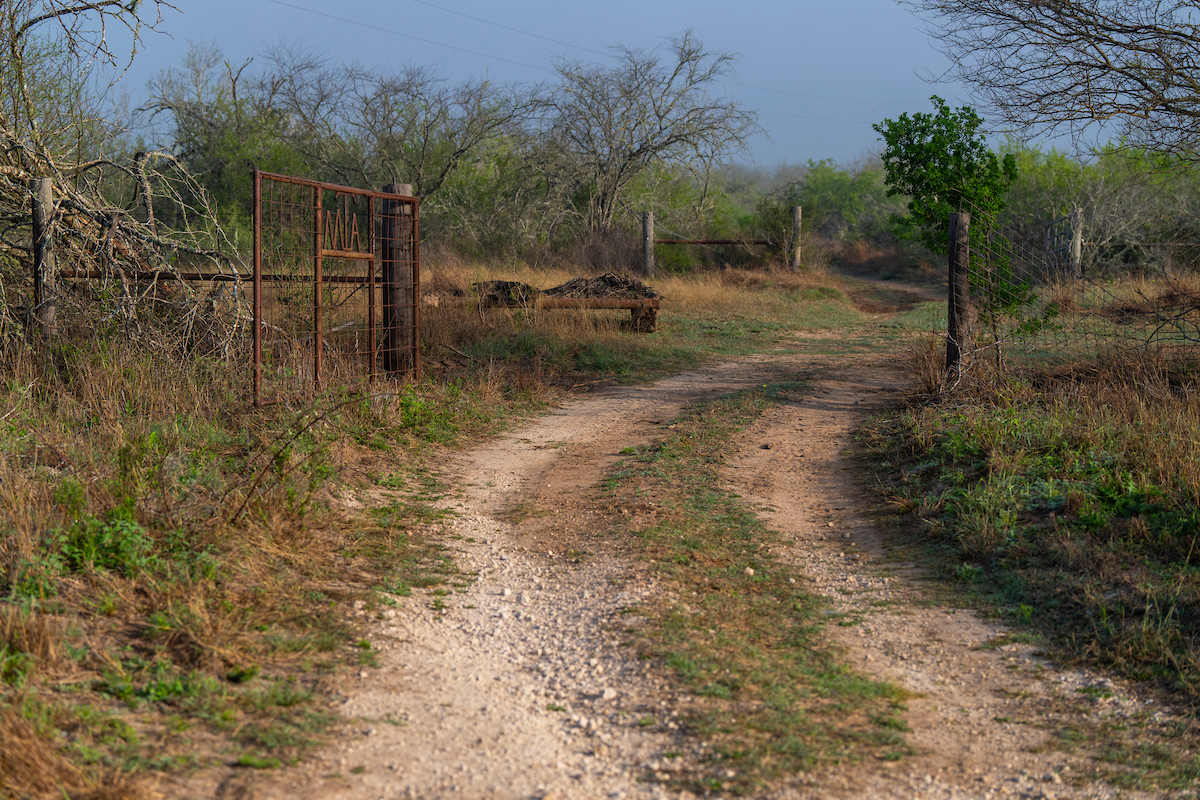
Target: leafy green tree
x: 943, y: 163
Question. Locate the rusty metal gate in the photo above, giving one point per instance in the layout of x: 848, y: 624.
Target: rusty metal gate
x: 336, y: 286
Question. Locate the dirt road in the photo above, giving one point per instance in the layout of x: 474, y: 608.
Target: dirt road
x: 518, y: 687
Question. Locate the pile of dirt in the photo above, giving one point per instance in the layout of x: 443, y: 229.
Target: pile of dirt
x: 505, y: 294
x: 609, y: 284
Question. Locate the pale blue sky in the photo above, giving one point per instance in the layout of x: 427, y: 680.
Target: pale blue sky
x: 819, y: 73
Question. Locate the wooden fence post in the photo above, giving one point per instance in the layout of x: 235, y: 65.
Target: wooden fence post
x: 396, y: 254
x: 648, y: 244
x: 1075, y: 259
x: 795, y: 254
x: 45, y: 307
x: 958, y: 334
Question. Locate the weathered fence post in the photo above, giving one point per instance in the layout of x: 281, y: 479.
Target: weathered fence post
x: 648, y: 244
x: 1075, y: 259
x: 795, y: 259
x: 958, y: 334
x: 398, y: 307
x: 258, y: 317
x: 45, y: 307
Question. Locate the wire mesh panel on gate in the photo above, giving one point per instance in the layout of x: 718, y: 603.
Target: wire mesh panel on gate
x: 336, y: 286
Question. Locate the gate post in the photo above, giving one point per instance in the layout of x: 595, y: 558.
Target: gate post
x: 958, y: 334
x: 399, y: 343
x: 258, y: 321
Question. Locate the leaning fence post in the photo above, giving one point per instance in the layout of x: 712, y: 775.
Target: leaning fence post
x: 45, y: 307
x: 958, y: 334
x: 648, y: 244
x: 1076, y: 252
x: 795, y: 254
x: 399, y: 342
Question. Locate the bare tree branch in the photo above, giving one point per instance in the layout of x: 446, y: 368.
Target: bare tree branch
x: 612, y: 123
x: 1076, y: 65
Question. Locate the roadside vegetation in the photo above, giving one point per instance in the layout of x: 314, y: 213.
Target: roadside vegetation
x: 1067, y: 498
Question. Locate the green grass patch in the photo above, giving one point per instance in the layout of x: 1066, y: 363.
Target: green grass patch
x: 743, y: 634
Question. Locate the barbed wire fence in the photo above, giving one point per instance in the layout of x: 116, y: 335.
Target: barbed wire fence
x: 1054, y: 296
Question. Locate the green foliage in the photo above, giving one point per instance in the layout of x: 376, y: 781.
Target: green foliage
x: 118, y: 542
x: 222, y: 135
x: 943, y: 163
x: 1064, y: 519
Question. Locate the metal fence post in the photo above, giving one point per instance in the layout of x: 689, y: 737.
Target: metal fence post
x: 958, y: 334
x: 258, y: 315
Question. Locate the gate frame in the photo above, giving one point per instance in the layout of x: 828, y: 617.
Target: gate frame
x: 375, y: 255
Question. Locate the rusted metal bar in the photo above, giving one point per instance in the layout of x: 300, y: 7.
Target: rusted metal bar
x: 349, y: 254
x: 318, y: 249
x: 332, y: 187
x: 164, y: 275
x: 415, y: 270
x: 372, y: 340
x: 713, y: 241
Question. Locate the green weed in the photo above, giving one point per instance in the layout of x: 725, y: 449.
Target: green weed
x: 743, y: 635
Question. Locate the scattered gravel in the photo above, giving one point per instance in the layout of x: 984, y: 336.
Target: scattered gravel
x: 522, y: 687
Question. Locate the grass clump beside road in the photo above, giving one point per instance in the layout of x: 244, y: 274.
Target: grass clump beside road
x: 740, y: 632
x: 1071, y: 500
x: 179, y: 576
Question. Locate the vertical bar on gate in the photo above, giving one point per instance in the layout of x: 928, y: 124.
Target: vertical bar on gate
x: 257, y: 314
x: 416, y: 288
x: 317, y: 332
x: 372, y: 243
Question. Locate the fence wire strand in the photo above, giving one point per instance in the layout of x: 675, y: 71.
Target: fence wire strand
x: 1032, y: 303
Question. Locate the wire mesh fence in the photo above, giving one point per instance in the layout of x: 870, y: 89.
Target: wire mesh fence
x: 1033, y: 301
x: 336, y: 286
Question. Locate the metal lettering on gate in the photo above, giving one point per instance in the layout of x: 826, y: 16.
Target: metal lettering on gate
x: 336, y: 286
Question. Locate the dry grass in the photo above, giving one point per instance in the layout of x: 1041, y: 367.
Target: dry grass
x: 31, y: 767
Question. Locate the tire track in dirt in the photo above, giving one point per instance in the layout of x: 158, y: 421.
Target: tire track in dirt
x: 521, y: 687
x: 985, y: 708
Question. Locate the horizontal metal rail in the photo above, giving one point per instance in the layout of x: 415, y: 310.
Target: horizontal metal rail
x: 332, y: 187
x: 213, y: 276
x: 713, y: 241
